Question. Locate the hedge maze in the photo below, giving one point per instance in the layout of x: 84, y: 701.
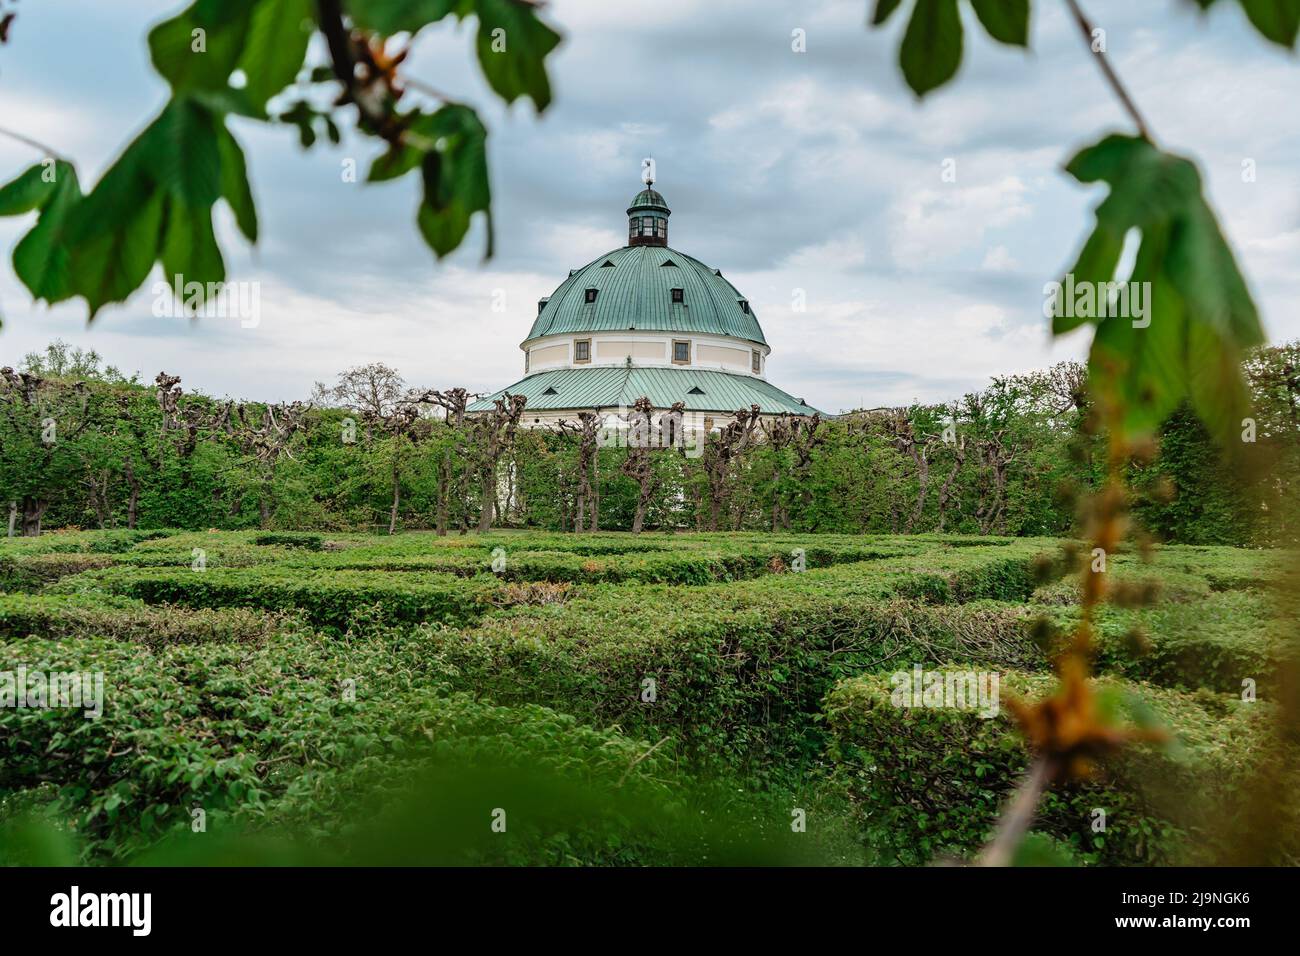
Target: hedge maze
x: 594, y: 699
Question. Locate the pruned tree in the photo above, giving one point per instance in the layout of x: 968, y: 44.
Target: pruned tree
x: 792, y: 440
x: 587, y: 428
x: 189, y: 422
x: 264, y: 439
x: 719, y: 458
x: 916, y: 446
x: 453, y: 402
x: 642, y: 437
x: 402, y: 427
x: 491, y: 435
x: 956, y: 443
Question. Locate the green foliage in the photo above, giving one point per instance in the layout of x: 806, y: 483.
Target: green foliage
x: 97, y: 615
x: 932, y: 44
x: 231, y: 690
x: 1013, y: 458
x: 1201, y: 315
x: 1276, y: 20
x: 308, y: 542
x: 224, y: 58
x: 328, y: 602
x: 931, y: 781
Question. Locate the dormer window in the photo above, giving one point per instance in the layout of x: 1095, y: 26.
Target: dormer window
x: 582, y: 350
x: 589, y: 295
x: 744, y: 306
x: 678, y: 295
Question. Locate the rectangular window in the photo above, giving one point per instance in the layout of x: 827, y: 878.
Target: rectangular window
x: 527, y: 352
x: 681, y: 352
x: 582, y: 350
x: 661, y: 228
x: 678, y: 295
x: 590, y: 295
x: 756, y: 361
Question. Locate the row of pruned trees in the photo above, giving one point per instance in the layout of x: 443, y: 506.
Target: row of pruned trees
x: 82, y: 445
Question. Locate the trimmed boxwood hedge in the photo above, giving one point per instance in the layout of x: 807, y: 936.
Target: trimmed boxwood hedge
x: 264, y: 739
x: 738, y: 676
x: 90, y: 615
x: 929, y: 782
x: 328, y: 600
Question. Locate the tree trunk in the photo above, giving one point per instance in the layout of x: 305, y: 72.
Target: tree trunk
x: 33, y: 513
x: 945, y: 491
x: 920, y: 457
x: 133, y: 499
x: 487, y: 495
x: 444, y: 495
x: 397, y: 496
x: 13, y: 517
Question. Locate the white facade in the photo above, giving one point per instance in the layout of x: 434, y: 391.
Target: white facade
x: 663, y: 349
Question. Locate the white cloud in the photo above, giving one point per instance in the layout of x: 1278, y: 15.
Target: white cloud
x: 931, y: 224
x: 817, y: 171
x: 998, y: 259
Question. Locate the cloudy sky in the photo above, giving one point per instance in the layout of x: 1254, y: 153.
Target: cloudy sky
x: 815, y: 171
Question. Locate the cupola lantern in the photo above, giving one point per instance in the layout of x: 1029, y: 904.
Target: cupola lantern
x: 647, y: 217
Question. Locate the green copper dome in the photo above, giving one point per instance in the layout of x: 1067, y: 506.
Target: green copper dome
x: 648, y: 199
x: 634, y: 290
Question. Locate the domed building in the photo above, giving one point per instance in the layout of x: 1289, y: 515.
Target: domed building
x: 646, y: 320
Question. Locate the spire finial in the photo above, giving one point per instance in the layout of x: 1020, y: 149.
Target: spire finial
x: 648, y: 171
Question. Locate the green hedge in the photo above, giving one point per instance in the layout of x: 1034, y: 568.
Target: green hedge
x: 85, y: 615
x: 31, y: 572
x: 930, y: 782
x: 291, y: 539
x: 227, y: 728
x: 738, y: 677
x: 641, y: 566
x: 328, y: 600
x: 288, y: 770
